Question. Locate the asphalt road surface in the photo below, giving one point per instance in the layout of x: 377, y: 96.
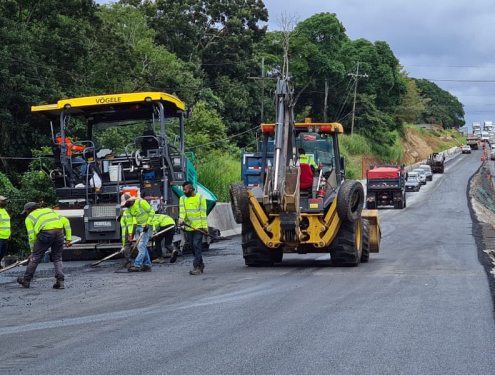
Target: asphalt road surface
x: 420, y: 306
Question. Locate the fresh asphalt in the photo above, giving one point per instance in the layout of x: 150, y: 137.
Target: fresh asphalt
x: 420, y: 306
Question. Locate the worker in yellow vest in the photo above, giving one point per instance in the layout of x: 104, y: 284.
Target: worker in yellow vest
x: 161, y: 222
x: 192, y: 213
x: 143, y: 213
x: 305, y: 159
x: 45, y: 229
x: 5, y: 232
x: 127, y: 223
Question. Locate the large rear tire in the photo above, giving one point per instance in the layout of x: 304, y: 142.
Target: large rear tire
x: 347, y: 247
x: 239, y: 199
x: 350, y: 201
x: 365, y: 255
x: 254, y: 251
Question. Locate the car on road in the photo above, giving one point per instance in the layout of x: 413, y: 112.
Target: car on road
x: 422, y: 175
x: 492, y: 154
x: 428, y: 171
x: 412, y: 182
x: 465, y: 149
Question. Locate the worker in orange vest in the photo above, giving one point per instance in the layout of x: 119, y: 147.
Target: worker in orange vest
x: 70, y: 148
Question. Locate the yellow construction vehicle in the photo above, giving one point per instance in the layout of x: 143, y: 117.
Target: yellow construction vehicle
x: 294, y: 197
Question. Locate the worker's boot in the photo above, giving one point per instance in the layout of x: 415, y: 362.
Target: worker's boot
x: 195, y: 271
x: 146, y: 269
x: 158, y: 260
x: 25, y: 283
x: 202, y: 267
x: 134, y: 269
x: 174, y: 256
x: 59, y: 284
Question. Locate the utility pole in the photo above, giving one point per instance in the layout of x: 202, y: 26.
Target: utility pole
x: 356, y: 78
x: 262, y: 79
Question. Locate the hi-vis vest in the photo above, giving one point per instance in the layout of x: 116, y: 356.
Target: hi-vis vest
x: 41, y: 219
x: 67, y: 228
x: 4, y: 224
x: 142, y: 211
x: 305, y: 159
x: 162, y: 221
x: 127, y: 225
x: 193, y: 211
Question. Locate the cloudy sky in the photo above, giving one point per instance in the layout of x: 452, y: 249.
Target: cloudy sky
x: 450, y: 42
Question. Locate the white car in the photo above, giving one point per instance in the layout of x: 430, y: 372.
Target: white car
x: 428, y: 171
x: 422, y: 175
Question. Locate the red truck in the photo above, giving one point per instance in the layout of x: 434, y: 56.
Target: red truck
x: 385, y: 186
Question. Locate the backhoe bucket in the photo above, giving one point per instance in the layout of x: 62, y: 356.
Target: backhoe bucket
x: 375, y: 232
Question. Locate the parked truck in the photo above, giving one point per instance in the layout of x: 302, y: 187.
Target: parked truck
x: 437, y: 162
x: 385, y: 186
x: 282, y: 212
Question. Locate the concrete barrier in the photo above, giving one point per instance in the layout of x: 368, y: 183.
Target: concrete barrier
x: 221, y: 217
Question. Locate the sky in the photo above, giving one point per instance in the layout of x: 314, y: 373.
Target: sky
x: 448, y: 42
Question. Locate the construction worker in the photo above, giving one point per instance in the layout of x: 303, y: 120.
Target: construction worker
x: 305, y: 159
x: 5, y: 232
x: 127, y: 223
x: 143, y: 213
x: 192, y: 214
x: 161, y: 222
x: 76, y: 161
x: 45, y: 229
x: 67, y: 233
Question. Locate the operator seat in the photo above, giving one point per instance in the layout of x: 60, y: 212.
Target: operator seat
x: 149, y: 142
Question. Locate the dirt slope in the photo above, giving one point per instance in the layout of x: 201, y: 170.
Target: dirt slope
x: 416, y: 147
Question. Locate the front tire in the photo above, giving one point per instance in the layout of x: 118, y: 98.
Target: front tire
x: 347, y: 247
x: 365, y: 255
x: 254, y: 251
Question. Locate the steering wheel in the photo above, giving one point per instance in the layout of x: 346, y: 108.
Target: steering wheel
x: 136, y: 158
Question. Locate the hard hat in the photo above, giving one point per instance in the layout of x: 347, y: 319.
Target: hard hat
x: 126, y: 198
x: 2, y: 198
x: 29, y: 206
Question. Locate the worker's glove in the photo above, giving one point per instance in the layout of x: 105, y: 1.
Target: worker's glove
x: 146, y: 227
x: 181, y: 221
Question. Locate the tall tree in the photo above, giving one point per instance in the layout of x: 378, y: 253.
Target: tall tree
x: 442, y: 107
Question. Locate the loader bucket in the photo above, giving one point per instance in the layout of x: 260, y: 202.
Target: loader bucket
x: 375, y: 232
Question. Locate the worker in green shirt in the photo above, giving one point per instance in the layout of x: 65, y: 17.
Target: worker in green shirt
x: 161, y: 222
x: 143, y: 213
x: 5, y: 232
x: 45, y: 228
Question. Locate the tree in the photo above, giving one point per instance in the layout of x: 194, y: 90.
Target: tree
x: 412, y: 106
x: 327, y: 34
x: 442, y: 107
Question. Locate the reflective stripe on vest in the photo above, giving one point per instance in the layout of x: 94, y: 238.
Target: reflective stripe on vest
x: 4, y: 224
x: 193, y: 211
x: 42, y: 219
x: 142, y: 211
x: 162, y: 221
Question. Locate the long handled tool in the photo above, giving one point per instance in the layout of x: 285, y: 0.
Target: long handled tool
x: 202, y: 231
x: 20, y: 263
x: 161, y: 232
x: 118, y: 252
